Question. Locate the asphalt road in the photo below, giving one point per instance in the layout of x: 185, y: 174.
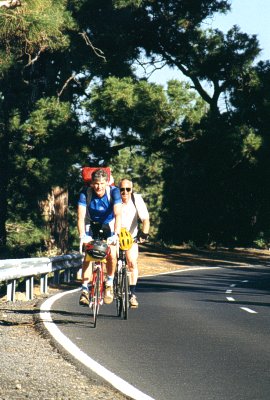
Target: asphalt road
x: 197, y: 335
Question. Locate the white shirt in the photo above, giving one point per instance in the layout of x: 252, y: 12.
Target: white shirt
x: 130, y: 214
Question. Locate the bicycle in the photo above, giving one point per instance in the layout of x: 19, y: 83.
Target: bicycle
x: 121, y: 285
x: 121, y: 277
x: 96, y: 251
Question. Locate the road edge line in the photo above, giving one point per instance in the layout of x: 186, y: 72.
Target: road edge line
x: 117, y: 382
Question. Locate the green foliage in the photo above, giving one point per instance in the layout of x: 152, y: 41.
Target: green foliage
x: 42, y: 151
x: 121, y: 103
x: 142, y: 113
x: 202, y: 173
x: 251, y: 144
x: 125, y: 3
x: 262, y: 240
x: 50, y: 125
x: 25, y: 239
x: 33, y: 28
x: 185, y: 102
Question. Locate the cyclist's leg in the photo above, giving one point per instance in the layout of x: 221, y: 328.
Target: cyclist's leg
x: 132, y: 262
x: 110, y: 267
x: 86, y: 272
x: 111, y: 261
x: 86, y: 278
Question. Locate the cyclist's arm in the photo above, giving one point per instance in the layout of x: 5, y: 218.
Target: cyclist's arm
x: 81, y: 220
x: 143, y: 213
x: 144, y: 217
x: 145, y: 225
x: 117, y: 210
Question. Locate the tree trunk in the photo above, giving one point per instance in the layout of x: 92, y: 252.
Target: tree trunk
x: 54, y: 211
x: 61, y: 218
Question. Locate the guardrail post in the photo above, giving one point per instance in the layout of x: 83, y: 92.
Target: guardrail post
x: 56, y: 277
x: 74, y: 272
x: 29, y: 288
x: 44, y: 284
x: 67, y: 275
x: 79, y: 274
x: 11, y: 290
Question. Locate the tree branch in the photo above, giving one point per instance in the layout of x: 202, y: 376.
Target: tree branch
x: 145, y: 65
x: 98, y: 52
x: 72, y: 77
x: 33, y: 60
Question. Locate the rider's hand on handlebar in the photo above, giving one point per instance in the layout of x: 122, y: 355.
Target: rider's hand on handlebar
x: 142, y: 237
x: 112, y: 239
x: 84, y: 239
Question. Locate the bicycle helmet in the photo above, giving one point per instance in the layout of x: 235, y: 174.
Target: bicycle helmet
x: 97, y: 249
x: 125, y: 239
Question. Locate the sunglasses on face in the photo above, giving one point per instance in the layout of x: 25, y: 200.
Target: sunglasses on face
x: 125, y: 189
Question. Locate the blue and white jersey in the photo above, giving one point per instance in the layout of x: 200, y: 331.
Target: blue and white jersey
x: 101, y: 208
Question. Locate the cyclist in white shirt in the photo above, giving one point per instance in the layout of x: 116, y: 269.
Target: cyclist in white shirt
x: 131, y: 214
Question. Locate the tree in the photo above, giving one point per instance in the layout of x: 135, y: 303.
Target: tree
x: 39, y: 135
x: 130, y: 113
x: 51, y: 51
x: 173, y: 33
x: 251, y: 113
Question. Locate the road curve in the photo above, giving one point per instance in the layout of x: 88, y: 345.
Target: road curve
x: 187, y: 340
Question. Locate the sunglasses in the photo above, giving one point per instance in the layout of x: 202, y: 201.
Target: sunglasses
x: 123, y: 189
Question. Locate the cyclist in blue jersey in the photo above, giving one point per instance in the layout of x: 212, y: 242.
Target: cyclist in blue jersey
x: 102, y: 213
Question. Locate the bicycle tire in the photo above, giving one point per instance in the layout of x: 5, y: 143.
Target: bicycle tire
x: 116, y: 291
x: 95, y: 306
x: 124, y: 293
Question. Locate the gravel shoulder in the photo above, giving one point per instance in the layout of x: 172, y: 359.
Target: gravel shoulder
x: 33, y: 368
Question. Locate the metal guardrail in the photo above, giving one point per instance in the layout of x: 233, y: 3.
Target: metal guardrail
x: 28, y: 268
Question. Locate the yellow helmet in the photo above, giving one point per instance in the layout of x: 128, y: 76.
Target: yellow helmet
x: 125, y: 239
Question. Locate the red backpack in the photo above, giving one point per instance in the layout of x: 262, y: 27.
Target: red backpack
x: 87, y: 173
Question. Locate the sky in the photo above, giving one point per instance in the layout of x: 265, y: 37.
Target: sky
x: 252, y: 16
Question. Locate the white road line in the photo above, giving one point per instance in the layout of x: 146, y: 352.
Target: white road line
x: 232, y: 299
x: 248, y: 310
x: 65, y: 342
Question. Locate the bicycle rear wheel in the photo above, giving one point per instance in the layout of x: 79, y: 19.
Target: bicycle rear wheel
x: 117, y: 293
x: 96, y: 291
x: 124, y: 293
